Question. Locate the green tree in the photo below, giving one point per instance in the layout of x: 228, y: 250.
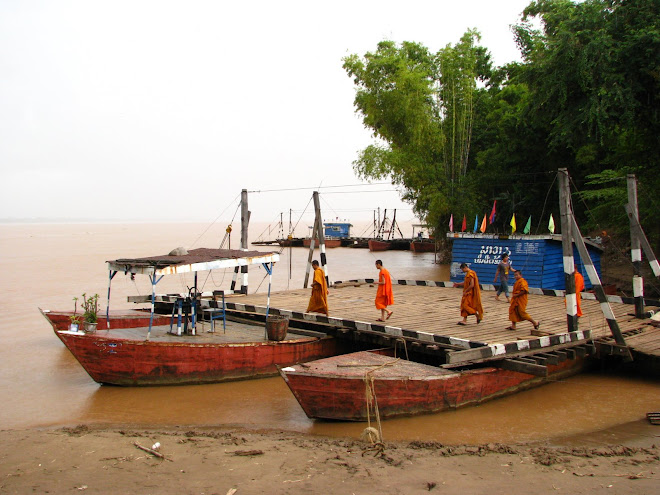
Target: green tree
x: 420, y: 108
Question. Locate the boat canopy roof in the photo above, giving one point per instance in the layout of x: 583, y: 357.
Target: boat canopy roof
x: 195, y: 260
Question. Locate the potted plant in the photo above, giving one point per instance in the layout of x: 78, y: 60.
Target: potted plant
x: 75, y: 318
x: 90, y: 306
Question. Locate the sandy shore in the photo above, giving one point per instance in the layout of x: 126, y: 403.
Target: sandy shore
x: 106, y: 459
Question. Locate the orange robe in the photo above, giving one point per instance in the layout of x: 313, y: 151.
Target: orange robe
x: 384, y: 295
x: 579, y: 287
x: 318, y: 301
x: 471, y: 300
x: 518, y: 307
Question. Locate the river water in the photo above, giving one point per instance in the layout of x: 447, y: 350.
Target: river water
x: 46, y: 265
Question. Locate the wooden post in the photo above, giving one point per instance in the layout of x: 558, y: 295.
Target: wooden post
x: 598, y: 289
x: 311, y: 246
x: 567, y: 249
x: 646, y: 246
x: 245, y: 221
x: 635, y: 249
x: 321, y: 235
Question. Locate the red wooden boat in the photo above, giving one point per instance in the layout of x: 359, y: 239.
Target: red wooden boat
x: 329, y: 243
x: 422, y: 246
x: 379, y: 245
x: 144, y: 348
x: 336, y: 388
x: 123, y: 356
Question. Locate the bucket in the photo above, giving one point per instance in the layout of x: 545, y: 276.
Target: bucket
x: 276, y: 327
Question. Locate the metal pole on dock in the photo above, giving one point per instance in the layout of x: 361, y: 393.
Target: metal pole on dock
x: 567, y: 249
x: 635, y: 249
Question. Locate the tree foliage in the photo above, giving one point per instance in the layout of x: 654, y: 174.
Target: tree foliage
x: 455, y: 133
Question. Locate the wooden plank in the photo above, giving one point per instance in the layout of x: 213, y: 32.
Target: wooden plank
x: 523, y: 367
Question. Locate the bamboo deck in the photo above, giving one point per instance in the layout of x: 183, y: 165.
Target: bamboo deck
x: 436, y: 310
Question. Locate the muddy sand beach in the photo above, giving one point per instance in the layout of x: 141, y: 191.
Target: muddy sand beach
x: 105, y: 459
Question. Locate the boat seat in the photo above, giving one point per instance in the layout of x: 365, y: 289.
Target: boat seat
x: 217, y: 313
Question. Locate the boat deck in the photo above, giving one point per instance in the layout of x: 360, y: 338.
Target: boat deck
x: 236, y: 333
x: 435, y: 310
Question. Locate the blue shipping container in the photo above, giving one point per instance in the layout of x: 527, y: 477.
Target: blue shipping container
x: 539, y: 257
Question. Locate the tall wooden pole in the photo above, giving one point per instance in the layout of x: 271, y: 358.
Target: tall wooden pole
x: 635, y: 249
x: 567, y: 249
x: 245, y: 221
x: 321, y: 235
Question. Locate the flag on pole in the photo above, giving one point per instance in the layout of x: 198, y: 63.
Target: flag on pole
x: 492, y: 213
x: 513, y: 223
x: 483, y: 225
x: 464, y: 225
x: 476, y: 223
x: 551, y: 224
x: 528, y: 227
x: 451, y: 223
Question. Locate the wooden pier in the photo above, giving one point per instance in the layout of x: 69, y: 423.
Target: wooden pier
x: 426, y: 315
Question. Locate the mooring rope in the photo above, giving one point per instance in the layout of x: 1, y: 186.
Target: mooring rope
x: 370, y: 397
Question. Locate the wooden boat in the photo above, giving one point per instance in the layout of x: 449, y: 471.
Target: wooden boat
x: 379, y: 245
x: 122, y: 356
x: 422, y: 245
x: 144, y: 348
x: 329, y: 243
x: 336, y: 388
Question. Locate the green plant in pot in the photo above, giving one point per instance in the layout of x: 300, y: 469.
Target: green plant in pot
x: 75, y: 317
x: 90, y: 307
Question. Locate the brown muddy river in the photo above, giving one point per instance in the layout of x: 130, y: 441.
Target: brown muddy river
x: 46, y: 265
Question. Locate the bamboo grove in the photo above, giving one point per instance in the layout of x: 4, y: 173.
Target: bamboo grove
x: 455, y: 133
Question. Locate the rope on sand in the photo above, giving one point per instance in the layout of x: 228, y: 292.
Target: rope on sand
x: 375, y: 436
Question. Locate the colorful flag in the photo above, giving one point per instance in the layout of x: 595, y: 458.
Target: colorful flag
x: 483, y: 225
x: 492, y: 213
x: 451, y: 223
x: 464, y: 226
x: 528, y: 227
x: 513, y: 223
x: 551, y: 224
x: 476, y: 222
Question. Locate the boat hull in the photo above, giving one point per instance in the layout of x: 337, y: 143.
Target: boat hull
x: 420, y: 389
x: 329, y: 243
x: 376, y: 245
x: 60, y: 320
x: 422, y: 246
x: 127, y: 362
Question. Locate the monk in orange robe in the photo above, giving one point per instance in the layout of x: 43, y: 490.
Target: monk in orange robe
x: 579, y: 287
x: 384, y: 294
x: 471, y: 300
x: 318, y: 301
x: 518, y: 307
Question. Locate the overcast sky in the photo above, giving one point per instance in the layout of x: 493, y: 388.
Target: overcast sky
x: 157, y: 110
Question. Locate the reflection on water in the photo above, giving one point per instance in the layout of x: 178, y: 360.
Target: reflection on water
x: 42, y: 384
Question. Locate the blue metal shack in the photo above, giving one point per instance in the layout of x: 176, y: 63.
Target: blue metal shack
x: 538, y: 256
x: 337, y: 230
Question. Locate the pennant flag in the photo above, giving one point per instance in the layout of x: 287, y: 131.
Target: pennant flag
x: 483, y: 225
x: 513, y: 223
x: 464, y: 226
x: 528, y: 227
x: 551, y: 224
x: 492, y: 213
x: 476, y: 223
x: 451, y: 223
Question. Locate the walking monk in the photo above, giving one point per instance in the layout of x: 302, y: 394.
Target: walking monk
x: 318, y: 301
x: 579, y: 287
x: 471, y: 300
x: 384, y: 295
x: 518, y: 307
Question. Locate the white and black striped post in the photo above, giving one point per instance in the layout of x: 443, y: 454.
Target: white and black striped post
x: 635, y: 249
x: 321, y: 234
x: 245, y: 221
x: 598, y: 289
x: 567, y: 249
